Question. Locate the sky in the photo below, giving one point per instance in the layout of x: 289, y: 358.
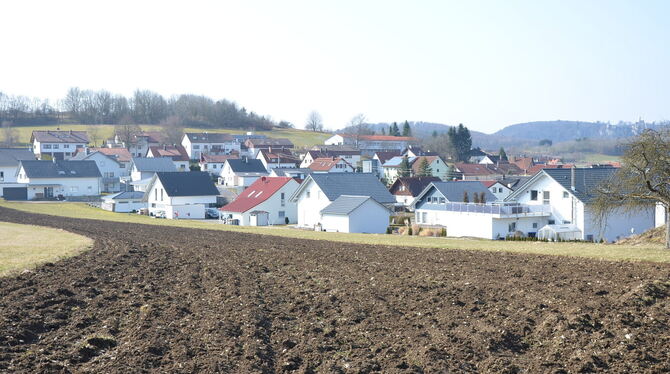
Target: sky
x: 486, y: 64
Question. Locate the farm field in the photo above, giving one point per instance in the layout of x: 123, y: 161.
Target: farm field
x: 640, y: 252
x: 300, y: 138
x: 145, y: 298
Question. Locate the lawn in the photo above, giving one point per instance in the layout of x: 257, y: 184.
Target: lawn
x: 25, y: 246
x: 300, y: 138
x: 650, y: 252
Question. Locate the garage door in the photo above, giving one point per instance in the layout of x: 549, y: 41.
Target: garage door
x: 15, y: 193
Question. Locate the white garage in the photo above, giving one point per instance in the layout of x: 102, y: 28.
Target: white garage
x: 355, y: 214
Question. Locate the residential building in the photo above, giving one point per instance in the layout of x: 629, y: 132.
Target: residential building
x: 57, y: 145
x: 277, y: 159
x: 350, y: 155
x: 318, y: 191
x: 197, y: 144
x: 241, y: 172
x: 477, y: 172
x: 498, y: 188
x: 355, y: 214
x: 298, y: 173
x: 123, y: 202
x: 10, y: 158
x: 267, y: 197
x: 139, y: 143
x: 405, y: 189
x: 213, y: 164
x: 111, y: 170
x: 331, y: 165
x: 51, y: 179
x: 143, y: 169
x: 180, y: 195
x: 176, y: 153
x: 369, y: 144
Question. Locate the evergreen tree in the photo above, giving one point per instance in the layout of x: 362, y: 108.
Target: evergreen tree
x: 475, y: 198
x: 482, y: 198
x: 383, y: 131
x: 434, y: 133
x: 390, y: 129
x: 406, y: 130
x: 404, y: 170
x: 466, y: 199
x: 395, y: 129
x: 424, y: 168
x: 461, y: 142
x: 502, y: 154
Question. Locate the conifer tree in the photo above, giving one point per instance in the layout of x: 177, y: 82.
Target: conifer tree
x: 424, y: 168
x: 406, y: 130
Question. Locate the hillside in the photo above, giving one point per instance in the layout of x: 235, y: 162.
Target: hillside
x: 561, y: 131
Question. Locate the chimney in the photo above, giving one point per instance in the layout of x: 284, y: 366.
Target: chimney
x: 572, y: 177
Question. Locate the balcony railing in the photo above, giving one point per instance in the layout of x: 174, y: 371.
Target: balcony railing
x: 503, y: 210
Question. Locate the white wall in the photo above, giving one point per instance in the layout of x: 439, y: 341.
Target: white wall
x: 619, y: 224
x: 109, y: 168
x: 123, y: 206
x: 369, y: 218
x: 193, y: 211
x: 660, y: 213
x: 64, y: 186
x: 178, y: 203
x: 309, y: 208
x: 8, y: 174
x: 478, y: 225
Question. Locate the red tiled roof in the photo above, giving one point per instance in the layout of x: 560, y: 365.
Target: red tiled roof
x: 524, y: 163
x: 488, y: 184
x: 119, y: 154
x: 325, y: 163
x: 474, y: 169
x: 259, y: 191
x: 218, y: 158
x: 176, y: 153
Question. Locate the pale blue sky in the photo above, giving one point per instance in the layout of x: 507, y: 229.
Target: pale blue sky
x: 486, y: 64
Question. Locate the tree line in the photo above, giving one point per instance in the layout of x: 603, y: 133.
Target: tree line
x: 143, y: 107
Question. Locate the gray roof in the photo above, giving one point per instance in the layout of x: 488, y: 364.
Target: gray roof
x: 334, y: 185
x: 345, y: 204
x: 61, y: 169
x: 154, y: 164
x: 190, y: 183
x: 247, y: 165
x: 60, y: 136
x: 586, y: 180
x: 206, y: 137
x: 12, y: 156
x: 514, y: 183
x: 130, y: 195
x: 453, y: 190
x: 286, y: 172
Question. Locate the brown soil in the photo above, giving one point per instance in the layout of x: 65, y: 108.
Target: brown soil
x: 653, y: 236
x: 156, y: 299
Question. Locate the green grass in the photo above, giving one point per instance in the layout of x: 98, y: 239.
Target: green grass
x: 650, y: 252
x: 600, y: 158
x: 300, y: 138
x: 25, y: 246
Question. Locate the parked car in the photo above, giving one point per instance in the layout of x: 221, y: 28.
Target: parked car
x: 211, y: 213
x: 159, y: 214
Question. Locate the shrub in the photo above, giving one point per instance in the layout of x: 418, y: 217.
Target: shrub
x: 286, y: 220
x: 409, y: 231
x: 389, y: 230
x: 416, y: 229
x: 444, y: 232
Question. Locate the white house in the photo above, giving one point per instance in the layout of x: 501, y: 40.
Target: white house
x: 9, y: 165
x: 443, y: 204
x: 331, y: 165
x: 143, y: 169
x: 213, y: 164
x: 123, y: 202
x: 50, y: 179
x: 197, y: 144
x: 180, y: 195
x: 241, y: 172
x: 298, y: 173
x: 109, y: 167
x: 318, y: 191
x: 406, y: 189
x: 176, y: 153
x: 58, y: 145
x: 273, y: 159
x: 281, y: 145
x: 370, y: 144
x: 139, y: 143
x: 569, y: 194
x: 359, y: 214
x: 497, y: 188
x: 350, y: 155
x: 267, y: 194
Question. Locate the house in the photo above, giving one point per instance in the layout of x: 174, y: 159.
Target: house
x: 375, y: 164
x: 268, y: 195
x: 350, y: 155
x: 180, y: 195
x: 414, y: 151
x: 254, y: 145
x: 213, y: 164
x: 498, y: 188
x: 241, y: 172
x: 331, y: 165
x: 405, y: 189
x: 490, y: 160
x: 121, y: 155
x: 10, y: 158
x: 359, y: 214
x: 477, y: 172
x: 58, y: 145
x: 369, y: 144
x: 438, y: 168
x: 277, y: 159
x: 139, y: 143
x: 443, y: 204
x: 392, y: 167
x: 143, y: 169
x: 123, y: 202
x: 570, y: 194
x: 67, y: 178
x: 197, y: 144
x: 524, y: 163
x: 177, y: 153
x: 298, y: 173
x: 110, y: 169
x: 318, y: 191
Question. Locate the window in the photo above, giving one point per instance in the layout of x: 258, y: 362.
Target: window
x: 161, y: 194
x: 66, y: 146
x: 205, y: 146
x: 283, y: 202
x: 204, y: 166
x: 46, y: 146
x: 511, y: 227
x: 2, y: 176
x: 213, y: 166
x: 308, y: 194
x: 195, y: 146
x: 565, y: 194
x: 545, y: 197
x: 424, y: 217
x: 589, y: 237
x: 282, y: 214
x: 156, y: 194
x: 566, y: 222
x: 534, y: 225
x: 551, y: 222
x: 418, y: 217
x: 500, y: 189
x: 443, y: 200
x: 90, y: 188
x: 533, y: 195
x: 122, y: 166
x: 55, y: 146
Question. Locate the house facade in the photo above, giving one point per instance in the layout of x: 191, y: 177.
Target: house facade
x: 67, y: 178
x: 57, y: 145
x: 143, y: 169
x: 273, y: 159
x: 111, y: 170
x: 348, y: 154
x: 355, y: 214
x: 405, y: 189
x: 123, y: 202
x: 241, y: 172
x: 10, y: 158
x: 180, y: 195
x: 498, y: 188
x: 331, y: 165
x: 176, y: 153
x: 267, y: 194
x: 369, y: 144
x: 213, y: 164
x: 197, y: 144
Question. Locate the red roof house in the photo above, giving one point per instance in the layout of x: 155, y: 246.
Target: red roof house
x: 264, y: 202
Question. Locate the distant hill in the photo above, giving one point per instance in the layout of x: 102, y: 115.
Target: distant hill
x: 562, y: 131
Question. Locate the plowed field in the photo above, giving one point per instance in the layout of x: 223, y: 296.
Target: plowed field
x: 157, y: 299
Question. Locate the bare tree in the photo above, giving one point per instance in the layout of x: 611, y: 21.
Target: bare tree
x: 127, y: 131
x: 173, y: 129
x: 314, y: 122
x: 642, y: 181
x: 93, y: 134
x: 9, y: 135
x: 358, y: 126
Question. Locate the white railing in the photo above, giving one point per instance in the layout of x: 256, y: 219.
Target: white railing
x: 496, y: 209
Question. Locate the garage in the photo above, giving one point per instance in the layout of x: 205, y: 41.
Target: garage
x: 15, y: 193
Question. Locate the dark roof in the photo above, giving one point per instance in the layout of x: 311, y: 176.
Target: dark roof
x: 259, y: 191
x: 246, y: 165
x: 269, y: 142
x: 345, y: 204
x: 384, y: 156
x: 334, y: 185
x: 586, y: 180
x: 126, y: 195
x: 190, y: 183
x: 154, y: 164
x: 12, y: 156
x: 454, y: 190
x: 175, y: 152
x: 413, y: 185
x: 206, y: 137
x: 514, y: 183
x: 60, y: 136
x: 285, y: 172
x: 61, y: 169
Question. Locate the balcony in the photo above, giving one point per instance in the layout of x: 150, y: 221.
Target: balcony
x: 503, y: 211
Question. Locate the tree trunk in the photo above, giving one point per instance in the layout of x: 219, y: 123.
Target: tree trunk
x: 667, y: 226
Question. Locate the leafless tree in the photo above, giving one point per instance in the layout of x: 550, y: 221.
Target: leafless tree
x: 127, y: 131
x: 9, y: 135
x: 173, y: 129
x: 314, y: 122
x: 93, y: 134
x: 358, y: 126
